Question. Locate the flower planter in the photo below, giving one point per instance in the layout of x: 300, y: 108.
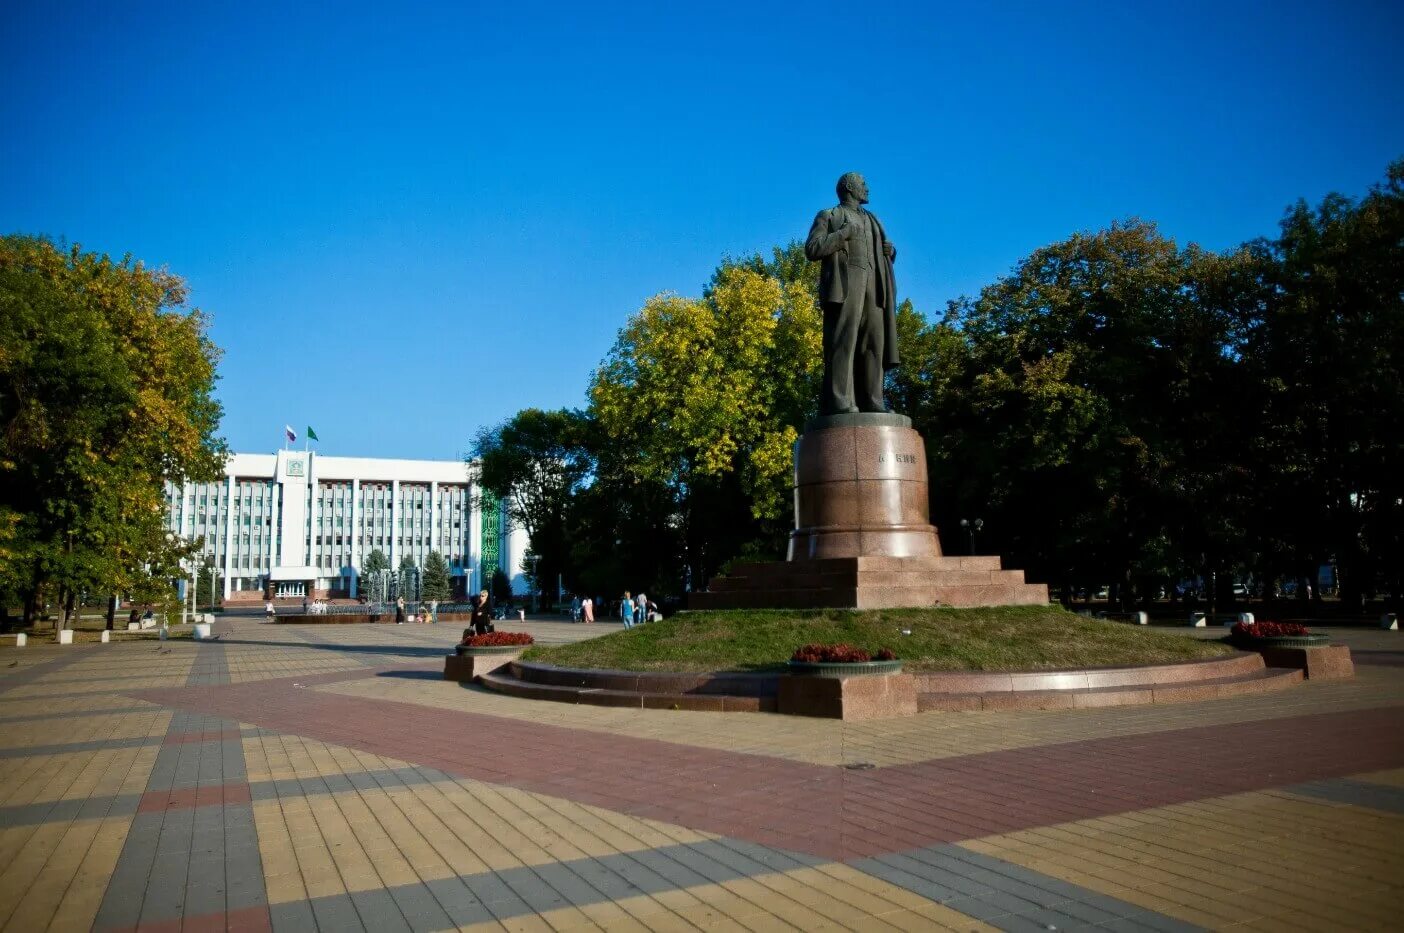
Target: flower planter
x: 1280, y: 641
x: 487, y: 650
x: 844, y: 669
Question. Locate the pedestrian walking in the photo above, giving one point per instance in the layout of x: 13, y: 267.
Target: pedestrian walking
x: 641, y: 608
x: 400, y: 611
x: 268, y: 610
x: 575, y: 609
x: 626, y: 610
x: 587, y: 609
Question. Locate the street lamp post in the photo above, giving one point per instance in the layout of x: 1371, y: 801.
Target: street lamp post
x: 535, y: 584
x: 970, y: 528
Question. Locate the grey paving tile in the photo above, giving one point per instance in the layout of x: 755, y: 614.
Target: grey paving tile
x: 1357, y: 793
x: 421, y: 909
x: 336, y: 913
x: 378, y: 911
x: 75, y: 748
x: 78, y: 714
x: 295, y: 917
x: 459, y: 902
x: 1004, y: 894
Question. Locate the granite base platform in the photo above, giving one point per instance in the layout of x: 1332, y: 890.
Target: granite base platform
x: 1326, y: 662
x: 863, y: 538
x: 870, y: 583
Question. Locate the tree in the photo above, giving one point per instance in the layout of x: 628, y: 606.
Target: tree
x: 1095, y: 421
x: 501, y: 586
x: 1327, y: 355
x: 371, y: 576
x: 208, y: 582
x: 407, y: 582
x: 537, y: 461
x: 436, y: 585
x: 106, y: 393
x: 703, y: 399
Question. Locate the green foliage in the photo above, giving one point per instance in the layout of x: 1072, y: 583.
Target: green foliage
x: 987, y: 639
x: 106, y: 392
x: 501, y: 586
x: 407, y: 579
x: 700, y: 402
x: 1120, y: 409
x: 1097, y: 396
x: 436, y: 585
x: 375, y: 562
x: 536, y: 462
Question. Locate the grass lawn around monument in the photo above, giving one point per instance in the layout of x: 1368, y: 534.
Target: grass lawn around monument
x: 999, y: 638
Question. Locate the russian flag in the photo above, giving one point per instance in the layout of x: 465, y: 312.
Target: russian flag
x: 292, y: 435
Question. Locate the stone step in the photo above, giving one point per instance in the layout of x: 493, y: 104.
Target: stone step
x: 873, y: 597
x: 1240, y: 664
x: 1262, y: 681
x: 502, y: 681
x: 889, y: 578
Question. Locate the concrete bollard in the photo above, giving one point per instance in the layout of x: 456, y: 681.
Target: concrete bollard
x: 1140, y: 618
x: 106, y: 636
x: 161, y: 635
x: 134, y: 626
x: 1197, y: 620
x: 1389, y: 622
x: 1246, y: 618
x: 201, y: 632
x: 65, y: 636
x: 21, y: 640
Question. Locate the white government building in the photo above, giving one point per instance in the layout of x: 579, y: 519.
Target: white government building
x: 294, y: 523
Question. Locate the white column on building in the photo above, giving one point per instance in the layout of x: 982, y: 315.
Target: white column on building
x: 397, y: 517
x: 355, y: 537
x: 275, y: 490
x: 433, y: 515
x: 312, y: 530
x: 229, y: 519
x: 473, y: 547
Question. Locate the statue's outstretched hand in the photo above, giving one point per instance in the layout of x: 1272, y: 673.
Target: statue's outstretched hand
x: 890, y: 250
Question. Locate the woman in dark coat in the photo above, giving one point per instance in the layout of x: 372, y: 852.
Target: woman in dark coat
x: 482, y: 615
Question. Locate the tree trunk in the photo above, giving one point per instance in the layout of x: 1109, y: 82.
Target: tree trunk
x: 111, y: 611
x: 70, y: 609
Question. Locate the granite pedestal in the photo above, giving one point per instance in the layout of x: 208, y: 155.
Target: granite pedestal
x: 863, y: 536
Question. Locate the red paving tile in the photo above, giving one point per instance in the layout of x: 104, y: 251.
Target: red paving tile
x: 185, y: 798
x: 212, y: 735
x: 825, y: 811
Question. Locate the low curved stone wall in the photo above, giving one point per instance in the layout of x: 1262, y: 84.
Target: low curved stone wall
x: 874, y: 696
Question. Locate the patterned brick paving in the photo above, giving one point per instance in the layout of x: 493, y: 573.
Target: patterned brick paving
x: 295, y: 779
x: 766, y: 800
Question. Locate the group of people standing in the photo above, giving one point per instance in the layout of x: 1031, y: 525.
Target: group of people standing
x: 638, y: 610
x: 632, y: 609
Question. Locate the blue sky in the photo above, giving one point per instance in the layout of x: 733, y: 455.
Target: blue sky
x: 410, y: 220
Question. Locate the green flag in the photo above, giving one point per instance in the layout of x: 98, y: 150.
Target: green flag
x: 311, y: 434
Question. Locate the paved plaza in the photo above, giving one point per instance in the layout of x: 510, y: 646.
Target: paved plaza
x: 299, y: 777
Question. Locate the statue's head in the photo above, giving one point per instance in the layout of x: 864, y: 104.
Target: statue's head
x: 852, y: 185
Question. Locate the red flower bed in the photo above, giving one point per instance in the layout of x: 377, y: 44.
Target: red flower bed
x: 499, y: 640
x: 838, y: 654
x: 1270, y: 629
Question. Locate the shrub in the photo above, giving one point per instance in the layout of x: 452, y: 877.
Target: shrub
x: 498, y: 640
x: 1270, y: 629
x: 838, y: 654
